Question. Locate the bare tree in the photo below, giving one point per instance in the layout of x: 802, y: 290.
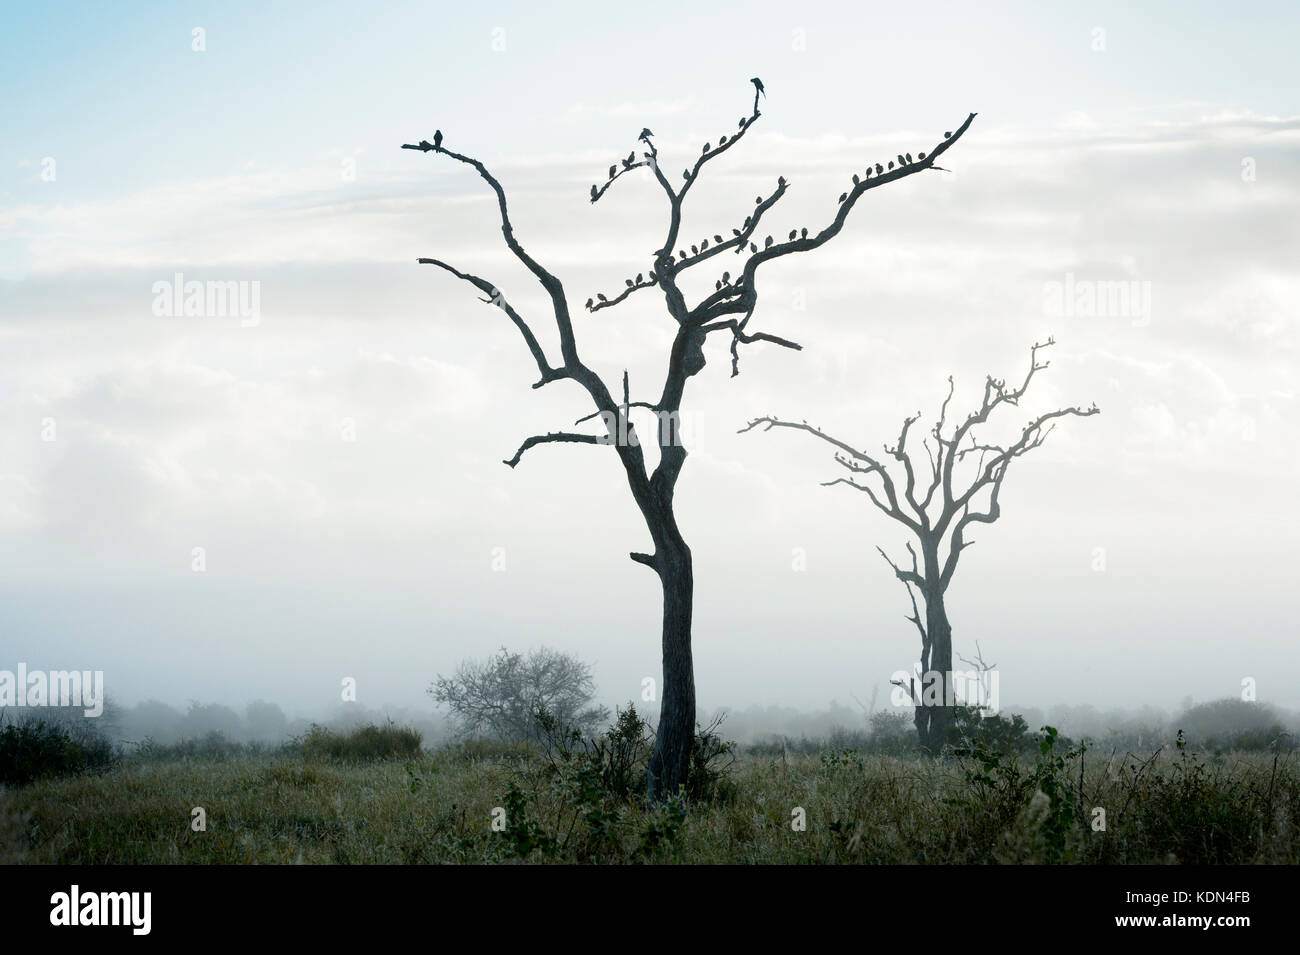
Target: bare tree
x: 727, y: 311
x: 939, y: 516
x: 501, y: 696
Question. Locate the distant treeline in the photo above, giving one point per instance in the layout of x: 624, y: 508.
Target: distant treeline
x: 1220, y: 724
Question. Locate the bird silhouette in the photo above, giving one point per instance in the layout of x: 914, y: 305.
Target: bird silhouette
x: 921, y: 156
x: 879, y: 169
x: 803, y: 233
x: 706, y: 148
x: 593, y: 193
x: 645, y: 135
x: 891, y: 164
x: 901, y: 160
x: 437, y: 139
x: 722, y: 140
x: 612, y: 170
x: 589, y: 303
x: 758, y: 85
x: 947, y: 135
x: 793, y: 233
x: 909, y: 157
x: 631, y: 157
x: 717, y: 239
x: 856, y: 180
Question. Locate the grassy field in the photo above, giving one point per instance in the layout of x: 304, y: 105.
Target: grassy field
x: 439, y: 808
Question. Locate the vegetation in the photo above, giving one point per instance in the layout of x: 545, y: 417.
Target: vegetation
x: 501, y: 696
x: 575, y: 799
x: 36, y: 749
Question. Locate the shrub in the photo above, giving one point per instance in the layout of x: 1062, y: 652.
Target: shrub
x: 363, y: 744
x: 36, y: 749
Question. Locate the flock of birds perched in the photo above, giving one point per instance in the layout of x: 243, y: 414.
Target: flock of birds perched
x: 903, y: 160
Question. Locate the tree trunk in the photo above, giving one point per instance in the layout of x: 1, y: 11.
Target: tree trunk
x: 933, y: 721
x: 670, y: 761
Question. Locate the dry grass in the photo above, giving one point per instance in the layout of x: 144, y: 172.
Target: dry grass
x: 859, y: 809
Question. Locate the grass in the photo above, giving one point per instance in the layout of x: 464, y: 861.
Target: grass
x: 309, y: 807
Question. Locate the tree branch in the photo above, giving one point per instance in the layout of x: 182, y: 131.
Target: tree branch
x: 555, y: 437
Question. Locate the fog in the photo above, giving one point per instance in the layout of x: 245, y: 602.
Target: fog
x: 225, y: 511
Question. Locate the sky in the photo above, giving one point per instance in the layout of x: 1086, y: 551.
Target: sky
x: 337, y: 457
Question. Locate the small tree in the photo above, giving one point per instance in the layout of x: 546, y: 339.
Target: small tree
x: 500, y: 697
x: 938, y: 518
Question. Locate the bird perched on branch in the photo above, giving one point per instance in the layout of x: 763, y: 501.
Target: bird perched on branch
x: 437, y: 139
x: 645, y: 135
x: 758, y: 85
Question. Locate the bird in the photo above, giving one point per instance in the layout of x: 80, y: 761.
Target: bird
x: 722, y: 140
x: 629, y: 282
x: 753, y: 247
x: 695, y: 250
x: 706, y: 148
x: 947, y: 135
x: 437, y: 139
x: 717, y: 239
x: 589, y: 303
x: 879, y: 169
x: 909, y: 157
x: 758, y: 85
x: 758, y: 200
x: 593, y: 193
x: 901, y: 161
x: 921, y: 156
x: 767, y: 243
x: 645, y: 135
x: 638, y: 278
x: 856, y: 180
x: 891, y: 164
x: 631, y: 157
x: 686, y: 174
x: 704, y: 244
x: 726, y: 276
x: 793, y: 233
x: 601, y: 296
x: 612, y: 170
x: 742, y: 122
x: 803, y: 233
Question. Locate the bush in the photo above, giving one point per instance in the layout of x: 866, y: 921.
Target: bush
x: 37, y: 750
x: 363, y: 744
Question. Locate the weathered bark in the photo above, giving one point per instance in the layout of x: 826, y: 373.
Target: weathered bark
x: 670, y: 760
x: 932, y: 722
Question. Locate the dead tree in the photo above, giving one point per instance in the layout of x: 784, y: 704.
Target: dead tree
x: 938, y: 517
x: 725, y: 311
